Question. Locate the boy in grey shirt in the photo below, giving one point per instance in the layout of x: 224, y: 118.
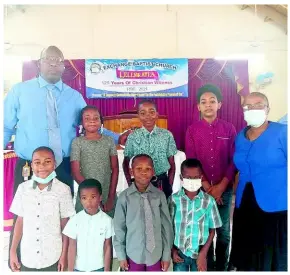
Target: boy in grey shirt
x: 143, y: 230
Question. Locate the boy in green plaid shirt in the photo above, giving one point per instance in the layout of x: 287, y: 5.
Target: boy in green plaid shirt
x: 195, y: 217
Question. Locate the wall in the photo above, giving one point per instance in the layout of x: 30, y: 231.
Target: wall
x: 124, y: 31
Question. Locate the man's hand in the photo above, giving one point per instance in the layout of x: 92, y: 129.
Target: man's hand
x: 201, y: 262
x: 165, y: 265
x: 175, y: 257
x: 206, y: 186
x: 124, y: 265
x: 219, y: 201
x: 124, y: 136
x: 62, y: 263
x: 14, y: 263
x: 216, y: 191
x: 108, y: 206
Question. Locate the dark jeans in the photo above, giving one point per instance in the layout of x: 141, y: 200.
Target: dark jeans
x: 223, y: 236
x: 189, y: 264
x: 163, y: 183
x: 52, y: 268
x: 63, y: 173
x: 98, y: 270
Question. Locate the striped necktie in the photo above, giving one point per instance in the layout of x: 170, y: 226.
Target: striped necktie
x: 54, y: 137
x: 150, y: 240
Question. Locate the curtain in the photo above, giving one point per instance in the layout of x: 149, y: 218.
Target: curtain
x: 230, y: 76
x: 9, y: 165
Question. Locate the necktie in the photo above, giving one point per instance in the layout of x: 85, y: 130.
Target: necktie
x: 54, y: 137
x: 150, y: 241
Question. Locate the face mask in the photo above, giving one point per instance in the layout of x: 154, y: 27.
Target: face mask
x: 255, y: 118
x: 46, y: 180
x: 191, y: 185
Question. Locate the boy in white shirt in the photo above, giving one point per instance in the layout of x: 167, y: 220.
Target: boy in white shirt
x: 90, y: 232
x: 43, y: 206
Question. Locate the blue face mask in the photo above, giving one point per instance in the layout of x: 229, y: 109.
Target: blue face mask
x: 48, y: 179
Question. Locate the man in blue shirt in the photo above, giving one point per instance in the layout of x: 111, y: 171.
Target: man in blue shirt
x: 26, y: 115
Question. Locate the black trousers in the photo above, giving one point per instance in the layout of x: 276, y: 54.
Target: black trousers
x: 52, y: 268
x: 162, y: 182
x: 63, y: 173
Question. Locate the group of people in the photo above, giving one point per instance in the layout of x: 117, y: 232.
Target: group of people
x: 147, y: 225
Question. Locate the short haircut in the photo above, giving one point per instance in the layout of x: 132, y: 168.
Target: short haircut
x: 90, y: 107
x: 190, y: 163
x: 147, y: 100
x: 51, y: 48
x: 90, y: 183
x: 43, y: 148
x: 209, y: 88
x: 142, y: 156
x: 261, y: 95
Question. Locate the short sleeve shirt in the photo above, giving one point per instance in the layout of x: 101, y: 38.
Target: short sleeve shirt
x: 159, y: 145
x: 90, y: 232
x: 192, y: 220
x: 42, y: 210
x: 94, y: 157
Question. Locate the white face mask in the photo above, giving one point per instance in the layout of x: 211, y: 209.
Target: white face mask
x: 191, y: 185
x: 49, y: 178
x: 255, y: 118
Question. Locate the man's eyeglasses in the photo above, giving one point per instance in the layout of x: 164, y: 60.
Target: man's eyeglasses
x: 257, y: 106
x: 52, y: 60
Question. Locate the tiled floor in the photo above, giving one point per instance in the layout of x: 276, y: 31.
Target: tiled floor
x: 6, y: 247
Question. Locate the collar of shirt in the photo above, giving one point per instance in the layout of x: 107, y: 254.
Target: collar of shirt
x: 132, y: 189
x: 214, y: 123
x: 43, y: 83
x: 147, y: 133
x: 93, y: 216
x: 199, y: 195
x: 48, y: 187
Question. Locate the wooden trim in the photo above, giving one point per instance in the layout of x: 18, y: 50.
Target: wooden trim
x: 129, y: 116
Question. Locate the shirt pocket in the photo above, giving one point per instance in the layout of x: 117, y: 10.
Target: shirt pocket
x: 100, y: 235
x: 199, y: 214
x: 223, y: 137
x: 51, y: 205
x: 154, y: 203
x: 222, y: 141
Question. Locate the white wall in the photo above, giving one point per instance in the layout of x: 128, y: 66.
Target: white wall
x: 124, y: 31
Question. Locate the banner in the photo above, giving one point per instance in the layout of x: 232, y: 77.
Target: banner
x: 123, y: 78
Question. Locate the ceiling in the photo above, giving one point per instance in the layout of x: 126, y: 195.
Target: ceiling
x: 276, y: 14
x: 283, y: 9
x: 9, y: 9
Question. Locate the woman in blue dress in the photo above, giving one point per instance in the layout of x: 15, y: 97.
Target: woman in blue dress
x: 260, y: 216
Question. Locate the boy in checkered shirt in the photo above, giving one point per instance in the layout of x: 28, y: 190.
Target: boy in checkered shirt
x: 195, y: 217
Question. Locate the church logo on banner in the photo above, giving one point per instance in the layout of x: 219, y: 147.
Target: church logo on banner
x: 123, y: 78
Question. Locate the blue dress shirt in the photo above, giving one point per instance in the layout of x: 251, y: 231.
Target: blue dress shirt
x: 264, y: 163
x: 25, y: 109
x: 111, y: 134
